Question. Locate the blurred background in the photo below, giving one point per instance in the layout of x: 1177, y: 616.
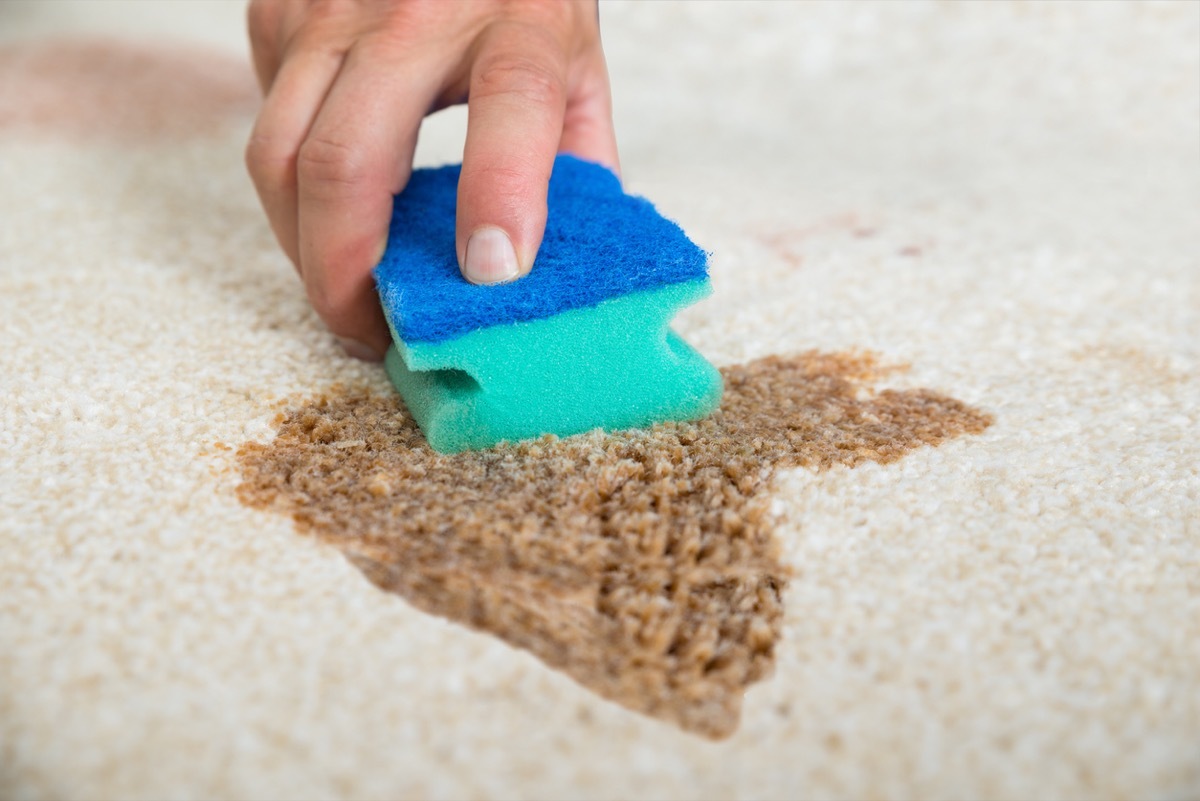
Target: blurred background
x: 1002, y: 195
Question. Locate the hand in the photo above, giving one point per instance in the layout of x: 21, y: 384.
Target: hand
x: 347, y: 83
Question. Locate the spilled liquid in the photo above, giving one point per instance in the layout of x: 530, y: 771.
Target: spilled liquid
x: 640, y: 563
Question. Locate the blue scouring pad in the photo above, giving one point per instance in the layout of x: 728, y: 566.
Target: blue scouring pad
x: 581, y: 342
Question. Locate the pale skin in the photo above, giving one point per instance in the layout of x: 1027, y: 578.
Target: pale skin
x: 346, y: 84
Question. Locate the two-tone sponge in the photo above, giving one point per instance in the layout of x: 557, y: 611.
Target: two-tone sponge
x: 581, y: 342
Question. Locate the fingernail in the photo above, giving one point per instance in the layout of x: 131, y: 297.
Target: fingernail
x: 490, y: 257
x: 357, y: 350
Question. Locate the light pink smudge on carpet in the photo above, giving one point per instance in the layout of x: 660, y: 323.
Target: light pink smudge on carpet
x: 127, y: 91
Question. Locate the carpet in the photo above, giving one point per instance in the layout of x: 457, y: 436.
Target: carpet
x: 943, y: 540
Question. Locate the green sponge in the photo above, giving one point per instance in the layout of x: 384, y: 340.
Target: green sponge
x: 615, y: 365
x: 582, y: 342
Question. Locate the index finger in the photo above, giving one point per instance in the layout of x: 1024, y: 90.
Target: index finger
x: 516, y: 104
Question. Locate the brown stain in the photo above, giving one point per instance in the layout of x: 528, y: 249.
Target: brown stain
x: 641, y: 563
x: 129, y: 92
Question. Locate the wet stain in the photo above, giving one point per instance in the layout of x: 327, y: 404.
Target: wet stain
x: 641, y: 563
x: 123, y: 91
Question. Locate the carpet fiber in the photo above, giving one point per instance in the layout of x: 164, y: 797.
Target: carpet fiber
x: 641, y: 563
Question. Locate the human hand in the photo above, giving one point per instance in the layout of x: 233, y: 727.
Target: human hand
x: 347, y: 83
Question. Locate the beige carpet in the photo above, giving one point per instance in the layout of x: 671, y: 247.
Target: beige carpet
x: 1000, y: 200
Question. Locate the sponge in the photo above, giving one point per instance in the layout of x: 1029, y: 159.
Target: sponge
x: 581, y: 342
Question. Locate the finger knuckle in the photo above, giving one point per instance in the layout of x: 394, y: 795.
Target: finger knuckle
x: 325, y: 12
x: 327, y: 161
x: 268, y: 160
x: 260, y: 20
x: 520, y: 75
x: 324, y: 33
